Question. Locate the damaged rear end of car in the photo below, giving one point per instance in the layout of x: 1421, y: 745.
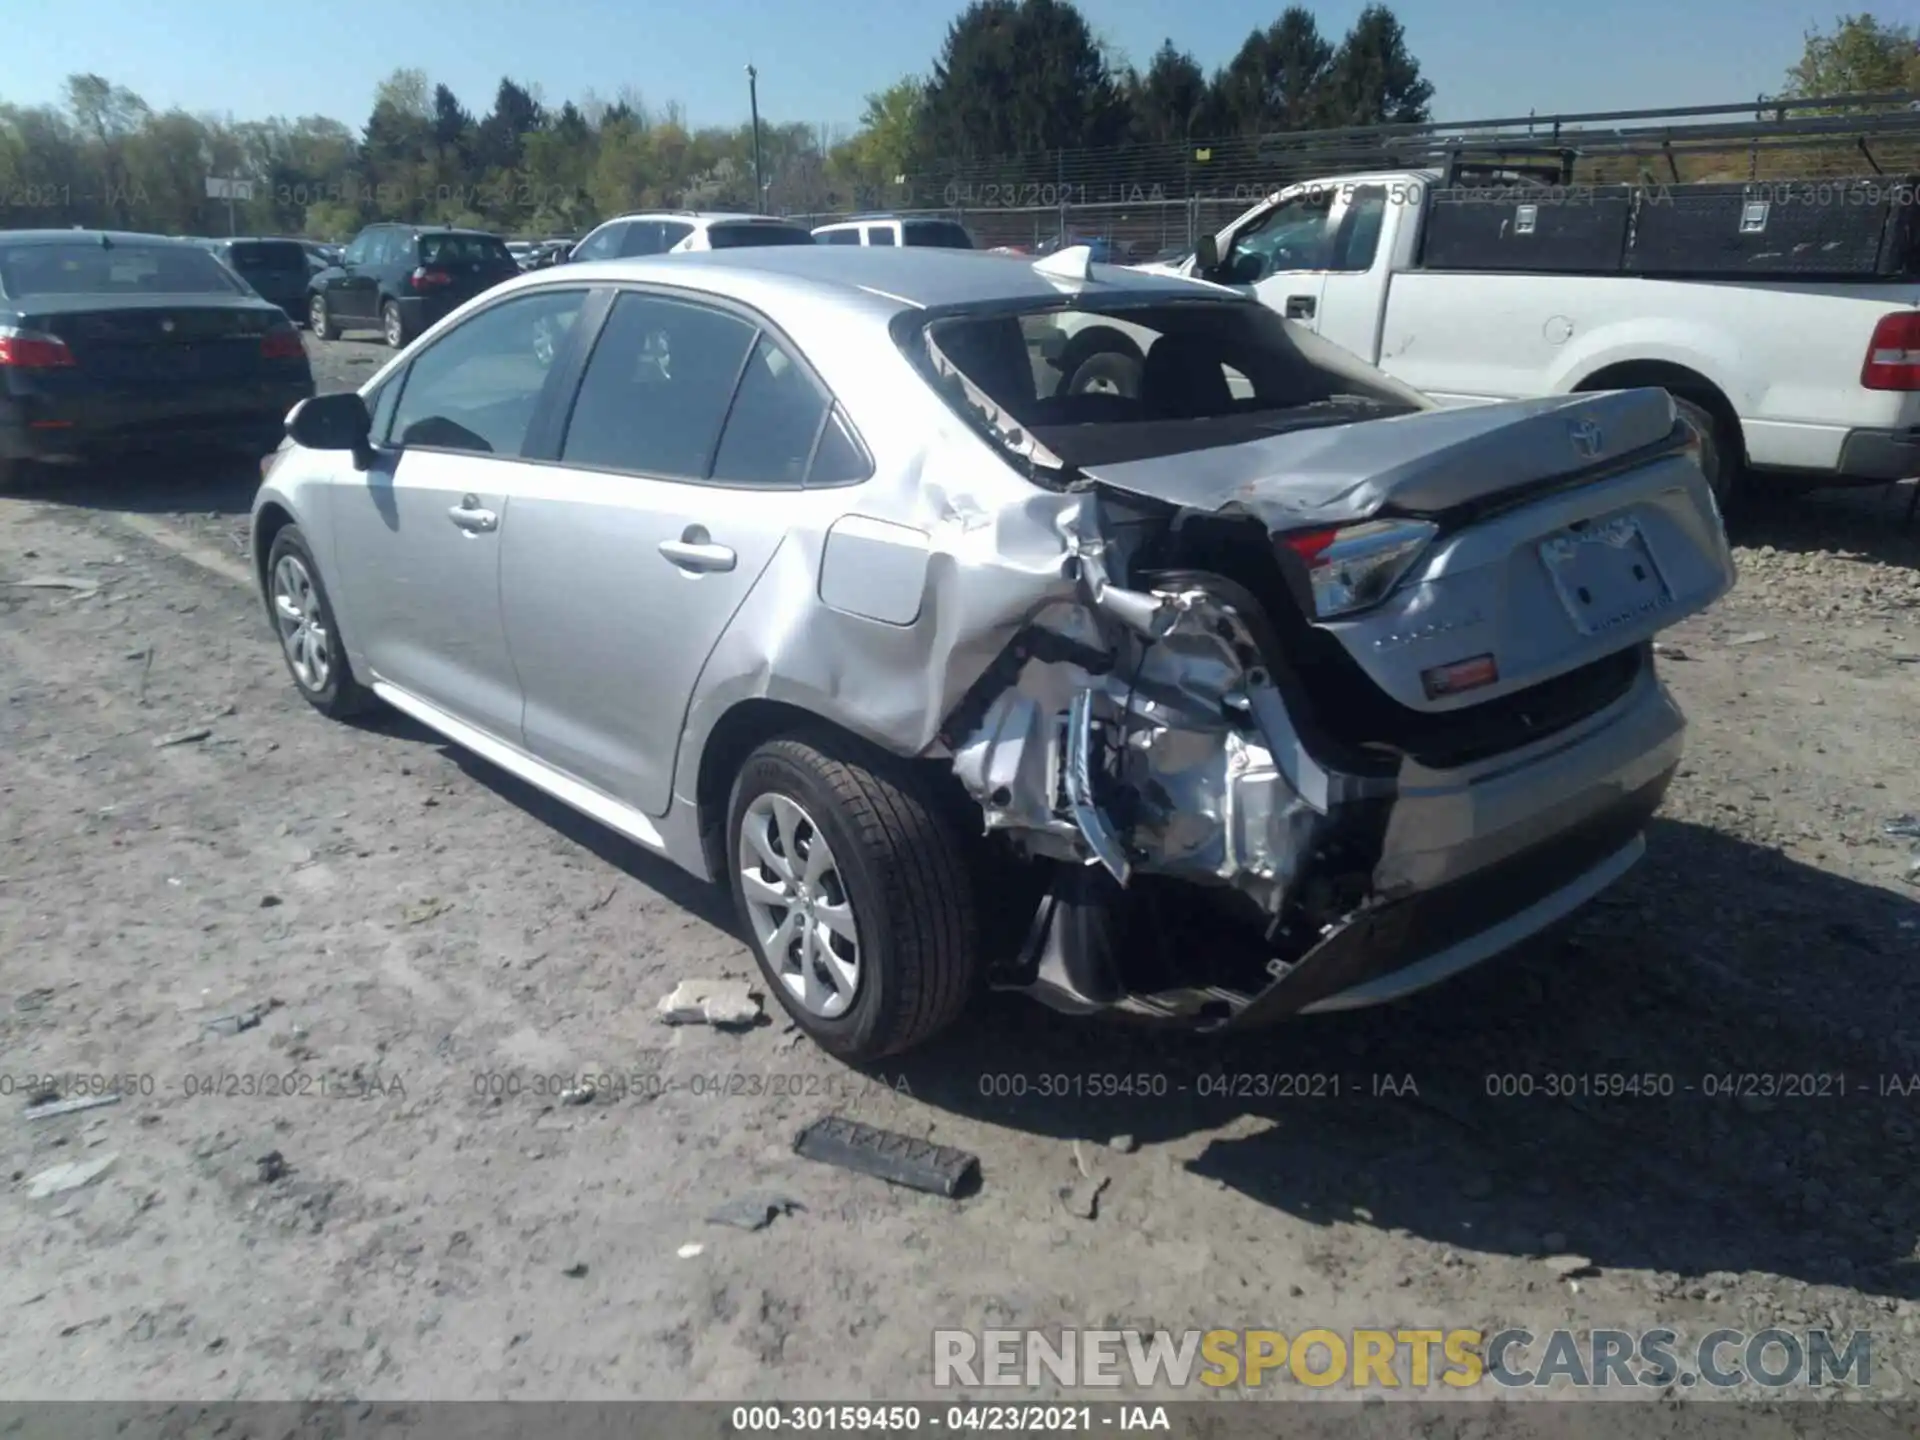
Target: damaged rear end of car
x: 1338, y: 693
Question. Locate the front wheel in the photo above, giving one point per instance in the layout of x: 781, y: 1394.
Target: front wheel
x: 856, y: 895
x: 309, y: 639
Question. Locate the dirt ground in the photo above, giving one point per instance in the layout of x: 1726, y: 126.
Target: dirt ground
x: 435, y: 950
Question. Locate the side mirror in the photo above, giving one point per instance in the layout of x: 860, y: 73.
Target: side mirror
x: 1206, y: 255
x: 331, y: 422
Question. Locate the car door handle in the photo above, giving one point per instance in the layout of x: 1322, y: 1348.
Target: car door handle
x: 696, y: 553
x: 471, y: 517
x: 1300, y: 307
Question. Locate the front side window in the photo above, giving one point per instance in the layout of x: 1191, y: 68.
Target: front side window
x: 603, y: 244
x: 1294, y: 235
x: 1360, y: 229
x: 672, y: 232
x: 642, y: 238
x: 848, y: 236
x: 879, y: 235
x: 657, y: 388
x: 477, y: 387
x: 741, y: 233
x: 361, y: 250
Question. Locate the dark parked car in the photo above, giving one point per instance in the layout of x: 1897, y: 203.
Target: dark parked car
x: 114, y: 342
x: 399, y: 279
x: 278, y: 270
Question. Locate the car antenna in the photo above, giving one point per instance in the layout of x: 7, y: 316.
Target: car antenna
x: 1075, y: 262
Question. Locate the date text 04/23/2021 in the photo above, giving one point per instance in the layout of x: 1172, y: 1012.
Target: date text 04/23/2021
x: 957, y: 1419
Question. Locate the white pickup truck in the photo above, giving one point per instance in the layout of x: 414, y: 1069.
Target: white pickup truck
x: 1815, y: 380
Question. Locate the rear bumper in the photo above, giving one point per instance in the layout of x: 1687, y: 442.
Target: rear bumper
x: 1471, y: 862
x: 1880, y: 454
x: 68, y: 428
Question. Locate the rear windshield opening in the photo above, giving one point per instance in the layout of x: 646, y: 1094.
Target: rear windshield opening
x: 942, y: 234
x: 83, y: 268
x: 1109, y: 385
x: 734, y: 237
x: 268, y: 255
x: 464, y: 250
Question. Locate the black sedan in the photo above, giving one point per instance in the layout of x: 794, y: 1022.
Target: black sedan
x: 113, y: 343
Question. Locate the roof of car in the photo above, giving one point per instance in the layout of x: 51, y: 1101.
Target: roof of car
x: 90, y: 237
x: 705, y: 217
x: 909, y: 278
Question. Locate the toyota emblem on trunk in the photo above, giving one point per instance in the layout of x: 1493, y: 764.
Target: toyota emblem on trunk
x: 1586, y: 438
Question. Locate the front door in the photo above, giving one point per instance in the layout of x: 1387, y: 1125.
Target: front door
x: 624, y: 563
x: 418, y: 535
x: 1282, y: 254
x: 356, y: 295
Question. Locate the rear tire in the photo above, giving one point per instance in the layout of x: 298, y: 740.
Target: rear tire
x: 893, y: 872
x: 1722, y: 453
x: 320, y: 319
x: 309, y: 636
x: 393, y: 325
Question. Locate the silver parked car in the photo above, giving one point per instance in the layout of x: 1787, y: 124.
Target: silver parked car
x: 796, y: 566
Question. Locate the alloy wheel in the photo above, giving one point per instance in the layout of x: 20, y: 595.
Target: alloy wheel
x: 302, y: 623
x: 798, y: 905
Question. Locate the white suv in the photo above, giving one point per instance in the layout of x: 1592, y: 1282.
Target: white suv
x: 888, y: 230
x: 664, y: 231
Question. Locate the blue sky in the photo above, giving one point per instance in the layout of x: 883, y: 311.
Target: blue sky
x: 253, y: 58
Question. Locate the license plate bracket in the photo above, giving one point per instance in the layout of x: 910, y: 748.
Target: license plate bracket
x: 1605, y: 573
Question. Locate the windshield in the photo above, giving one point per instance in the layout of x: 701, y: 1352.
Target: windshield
x: 1109, y: 385
x: 733, y: 237
x: 90, y: 268
x: 252, y: 255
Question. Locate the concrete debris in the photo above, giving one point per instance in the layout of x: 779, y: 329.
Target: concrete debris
x: 1669, y: 652
x: 70, y: 1176
x: 690, y: 1249
x: 182, y: 737
x: 753, y: 1212
x: 243, y: 1020
x: 582, y: 1094
x: 576, y: 1271
x: 1082, y: 1198
x: 1125, y: 1144
x: 1752, y: 637
x: 48, y: 1109
x: 273, y: 1166
x: 724, y: 1004
x: 57, y: 582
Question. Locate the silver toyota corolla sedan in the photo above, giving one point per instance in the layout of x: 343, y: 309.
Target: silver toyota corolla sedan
x: 1257, y: 686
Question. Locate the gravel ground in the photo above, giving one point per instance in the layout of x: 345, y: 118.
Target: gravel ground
x: 427, y: 942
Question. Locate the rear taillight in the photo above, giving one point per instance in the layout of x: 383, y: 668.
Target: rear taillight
x: 1350, y: 567
x: 425, y: 279
x: 1893, y: 355
x: 31, y: 350
x: 281, y: 343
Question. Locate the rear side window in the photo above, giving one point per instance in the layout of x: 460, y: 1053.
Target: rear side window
x: 604, y: 243
x: 464, y: 250
x: 657, y: 388
x: 879, y: 235
x: 775, y: 419
x: 92, y: 269
x: 939, y: 234
x: 642, y: 238
x: 839, y: 237
x: 740, y: 235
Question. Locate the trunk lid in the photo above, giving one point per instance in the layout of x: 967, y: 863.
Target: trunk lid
x: 1426, y: 464
x: 180, y: 341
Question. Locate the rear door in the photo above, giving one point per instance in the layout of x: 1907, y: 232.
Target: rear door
x: 417, y: 537
x: 355, y: 295
x: 681, y: 471
x: 1353, y: 290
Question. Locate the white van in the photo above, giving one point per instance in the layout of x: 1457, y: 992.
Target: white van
x: 890, y: 230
